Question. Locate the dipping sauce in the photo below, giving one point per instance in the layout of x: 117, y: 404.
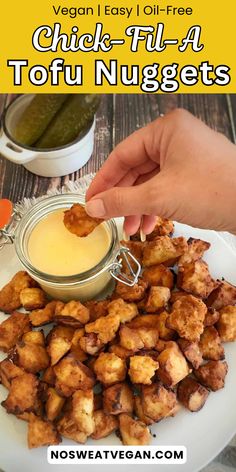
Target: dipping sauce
x: 52, y: 249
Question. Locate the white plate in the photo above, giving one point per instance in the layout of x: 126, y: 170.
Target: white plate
x: 204, y: 433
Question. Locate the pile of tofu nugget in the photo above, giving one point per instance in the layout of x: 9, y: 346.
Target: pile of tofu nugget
x: 123, y: 363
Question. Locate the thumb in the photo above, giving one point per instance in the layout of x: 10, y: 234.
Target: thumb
x: 140, y: 200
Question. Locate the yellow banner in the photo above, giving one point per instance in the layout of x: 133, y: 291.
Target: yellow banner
x: 165, y: 46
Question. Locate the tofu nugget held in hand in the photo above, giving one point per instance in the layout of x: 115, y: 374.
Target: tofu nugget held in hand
x: 78, y: 222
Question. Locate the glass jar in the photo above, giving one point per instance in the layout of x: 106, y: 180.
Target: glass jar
x: 82, y: 286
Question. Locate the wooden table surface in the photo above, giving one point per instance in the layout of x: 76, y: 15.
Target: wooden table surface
x: 118, y: 116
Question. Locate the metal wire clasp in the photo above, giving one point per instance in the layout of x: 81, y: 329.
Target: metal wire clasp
x: 124, y: 255
x: 7, y: 233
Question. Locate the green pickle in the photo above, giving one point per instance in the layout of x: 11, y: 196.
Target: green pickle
x: 37, y: 117
x: 75, y: 116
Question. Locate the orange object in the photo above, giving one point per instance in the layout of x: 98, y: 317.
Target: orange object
x: 6, y: 209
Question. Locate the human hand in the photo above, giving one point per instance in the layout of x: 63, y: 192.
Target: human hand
x: 176, y: 167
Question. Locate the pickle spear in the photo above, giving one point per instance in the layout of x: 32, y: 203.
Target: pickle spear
x: 74, y: 117
x: 37, y: 116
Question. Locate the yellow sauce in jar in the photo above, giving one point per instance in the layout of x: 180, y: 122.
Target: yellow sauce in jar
x: 52, y: 249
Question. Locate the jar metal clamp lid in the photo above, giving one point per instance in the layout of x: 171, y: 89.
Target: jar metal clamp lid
x: 10, y: 232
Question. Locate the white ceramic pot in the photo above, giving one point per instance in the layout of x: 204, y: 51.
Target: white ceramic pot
x: 54, y: 162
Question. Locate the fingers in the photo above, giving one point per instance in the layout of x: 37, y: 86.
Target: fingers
x: 148, y: 223
x: 132, y: 153
x: 131, y: 224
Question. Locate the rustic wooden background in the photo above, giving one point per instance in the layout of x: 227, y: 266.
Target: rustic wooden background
x: 118, y: 116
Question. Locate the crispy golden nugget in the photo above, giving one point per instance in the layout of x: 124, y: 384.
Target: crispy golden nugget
x: 78, y: 222
x: 163, y: 227
x: 10, y: 293
x: 211, y: 317
x: 61, y: 331
x: 105, y: 424
x: 138, y: 408
x: 120, y: 351
x: 31, y: 357
x: 158, y: 402
x: 195, y: 251
x: 49, y: 376
x: 67, y: 427
x: 110, y: 368
x: 97, y: 308
x: 133, y: 432
x: 134, y: 339
x: 210, y: 345
x: 8, y: 371
x: 41, y: 433
x: 192, y: 394
x: 33, y: 298
x: 187, y: 318
x: 12, y: 329
x: 43, y: 316
x: 82, y: 410
x: 159, y: 275
x: 131, y: 294
x: 118, y: 399
x: 196, y: 279
x: 164, y: 250
x: 72, y: 313
x: 73, y: 374
x: 35, y: 337
x: 76, y: 350
x: 125, y: 311
x: 91, y: 344
x: 173, y: 366
x: 191, y: 351
x: 226, y: 325
x: 22, y: 394
x: 223, y: 295
x: 176, y: 295
x: 165, y: 333
x: 54, y: 404
x: 212, y: 374
x: 105, y: 327
x: 144, y: 321
x: 142, y: 369
x: 57, y: 348
x: 158, y: 297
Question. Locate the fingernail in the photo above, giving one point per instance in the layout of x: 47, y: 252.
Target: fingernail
x: 126, y: 237
x: 95, y: 208
x: 142, y: 235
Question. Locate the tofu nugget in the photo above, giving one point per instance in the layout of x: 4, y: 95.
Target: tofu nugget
x: 31, y: 357
x: 162, y: 227
x: 134, y: 339
x: 97, y: 308
x: 211, y: 317
x: 192, y: 394
x: 173, y: 366
x: 8, y: 371
x: 195, y: 251
x: 22, y: 394
x: 82, y: 410
x: 131, y: 294
x: 78, y: 222
x: 41, y: 433
x: 164, y: 250
x: 105, y: 327
x: 43, y: 316
x: 212, y: 374
x: 158, y: 402
x: 187, y: 318
x: 54, y: 404
x: 33, y: 298
x: 120, y: 351
x: 165, y: 333
x: 191, y: 351
x: 142, y: 369
x: 157, y: 298
x: 109, y: 368
x: 133, y: 432
x: 118, y: 399
x: 125, y: 311
x: 226, y: 325
x: 223, y: 295
x: 73, y: 375
x: 159, y: 275
x: 210, y: 345
x: 72, y: 313
x: 57, y: 348
x: 138, y: 408
x: 196, y: 279
x: 12, y: 329
x: 67, y: 427
x: 91, y: 344
x: 105, y: 424
x: 10, y: 293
